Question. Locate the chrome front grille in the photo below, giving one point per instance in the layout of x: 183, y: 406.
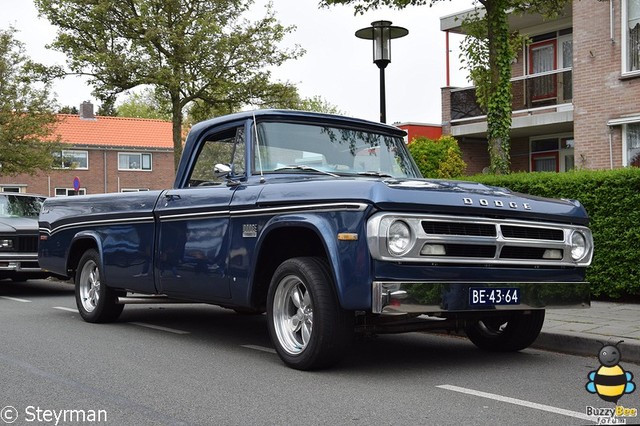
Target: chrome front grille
x: 469, y: 240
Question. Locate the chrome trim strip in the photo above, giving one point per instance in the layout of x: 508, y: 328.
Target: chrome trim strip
x: 424, y: 297
x: 51, y: 231
x: 263, y: 211
x: 324, y: 207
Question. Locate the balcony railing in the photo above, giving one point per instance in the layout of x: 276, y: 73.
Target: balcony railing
x: 540, y: 92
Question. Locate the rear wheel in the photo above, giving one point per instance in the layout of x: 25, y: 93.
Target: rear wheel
x: 510, y: 333
x: 96, y: 302
x: 308, y: 327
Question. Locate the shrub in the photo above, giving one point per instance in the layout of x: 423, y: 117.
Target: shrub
x: 612, y: 199
x: 440, y: 158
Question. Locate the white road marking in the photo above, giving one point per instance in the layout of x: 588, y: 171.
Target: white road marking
x: 15, y: 299
x: 520, y: 402
x: 158, y: 327
x: 259, y: 348
x: 62, y: 308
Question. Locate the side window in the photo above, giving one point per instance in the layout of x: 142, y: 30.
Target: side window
x: 226, y: 148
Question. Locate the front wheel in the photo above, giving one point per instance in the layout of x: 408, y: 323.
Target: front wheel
x: 308, y: 327
x: 510, y: 333
x: 96, y: 302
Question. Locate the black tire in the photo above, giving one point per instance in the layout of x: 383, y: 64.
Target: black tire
x: 308, y: 327
x: 510, y: 333
x: 95, y: 301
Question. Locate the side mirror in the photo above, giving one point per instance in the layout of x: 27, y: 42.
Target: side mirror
x: 221, y: 170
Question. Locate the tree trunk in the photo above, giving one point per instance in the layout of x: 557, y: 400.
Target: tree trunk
x: 176, y: 121
x: 499, y: 96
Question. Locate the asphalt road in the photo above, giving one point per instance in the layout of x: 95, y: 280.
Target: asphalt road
x: 203, y: 365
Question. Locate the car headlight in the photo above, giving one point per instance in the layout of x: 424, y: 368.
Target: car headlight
x: 399, y: 238
x: 578, y: 246
x: 6, y: 243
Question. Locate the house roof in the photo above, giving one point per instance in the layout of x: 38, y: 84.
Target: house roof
x: 106, y: 131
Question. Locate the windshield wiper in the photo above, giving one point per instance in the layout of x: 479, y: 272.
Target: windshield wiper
x: 308, y: 168
x: 373, y: 173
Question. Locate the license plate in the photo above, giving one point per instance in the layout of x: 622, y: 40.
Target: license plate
x: 483, y: 296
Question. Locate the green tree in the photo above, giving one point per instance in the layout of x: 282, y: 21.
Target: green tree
x: 68, y: 110
x: 440, y: 158
x: 188, y: 50
x: 489, y: 52
x: 27, y: 119
x: 145, y: 104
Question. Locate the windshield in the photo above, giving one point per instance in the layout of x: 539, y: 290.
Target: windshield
x: 330, y: 150
x: 18, y: 206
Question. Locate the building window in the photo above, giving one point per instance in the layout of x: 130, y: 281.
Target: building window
x: 552, y: 154
x: 631, y: 35
x: 61, y: 192
x: 134, y: 161
x: 71, y: 159
x: 631, y: 144
x: 542, y: 58
x: 12, y: 189
x: 134, y: 189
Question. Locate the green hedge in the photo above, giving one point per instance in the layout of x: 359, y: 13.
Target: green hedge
x: 612, y: 200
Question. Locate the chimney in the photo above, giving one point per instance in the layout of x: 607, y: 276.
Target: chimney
x: 86, y: 111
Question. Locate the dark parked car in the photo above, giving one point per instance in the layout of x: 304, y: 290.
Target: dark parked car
x: 19, y: 236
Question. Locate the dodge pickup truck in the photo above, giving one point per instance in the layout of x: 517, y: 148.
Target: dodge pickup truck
x: 325, y: 223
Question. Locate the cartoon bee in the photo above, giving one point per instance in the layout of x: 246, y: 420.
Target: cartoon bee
x: 610, y: 381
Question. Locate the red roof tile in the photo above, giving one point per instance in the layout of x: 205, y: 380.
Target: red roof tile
x: 115, y: 131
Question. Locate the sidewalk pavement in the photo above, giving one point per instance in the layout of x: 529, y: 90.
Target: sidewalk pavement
x: 584, y: 331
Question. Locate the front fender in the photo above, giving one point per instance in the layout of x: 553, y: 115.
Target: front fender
x: 348, y: 259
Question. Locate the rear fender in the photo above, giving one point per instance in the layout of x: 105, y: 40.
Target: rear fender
x: 80, y: 243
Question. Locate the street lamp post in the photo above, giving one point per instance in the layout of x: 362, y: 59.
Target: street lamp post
x: 382, y: 32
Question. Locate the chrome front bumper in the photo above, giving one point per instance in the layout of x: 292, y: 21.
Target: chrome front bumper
x: 440, y: 297
x: 19, y: 262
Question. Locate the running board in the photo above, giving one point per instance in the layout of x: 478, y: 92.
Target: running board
x: 141, y: 300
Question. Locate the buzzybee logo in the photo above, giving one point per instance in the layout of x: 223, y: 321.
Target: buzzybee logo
x: 610, y: 382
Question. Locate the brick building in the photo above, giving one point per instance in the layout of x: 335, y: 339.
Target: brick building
x: 104, y: 154
x: 415, y: 130
x: 576, y: 92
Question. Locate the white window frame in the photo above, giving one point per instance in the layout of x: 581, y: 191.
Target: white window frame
x: 624, y: 29
x: 559, y: 153
x: 134, y: 189
x: 76, y: 152
x: 81, y: 191
x: 625, y: 150
x: 141, y: 169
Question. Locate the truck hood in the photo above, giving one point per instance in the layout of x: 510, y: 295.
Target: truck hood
x: 422, y: 196
x: 18, y: 224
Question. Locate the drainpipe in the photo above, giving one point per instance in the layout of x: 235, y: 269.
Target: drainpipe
x: 106, y: 187
x: 611, y: 146
x: 447, y: 57
x: 612, y: 18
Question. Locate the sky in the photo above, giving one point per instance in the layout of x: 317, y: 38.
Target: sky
x: 337, y: 66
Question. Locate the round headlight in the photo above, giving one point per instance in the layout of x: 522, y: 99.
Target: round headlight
x: 399, y: 238
x: 578, y: 246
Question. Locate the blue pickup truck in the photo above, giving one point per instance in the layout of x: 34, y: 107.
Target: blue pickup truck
x: 324, y: 223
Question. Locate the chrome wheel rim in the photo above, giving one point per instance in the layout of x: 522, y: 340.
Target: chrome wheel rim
x: 493, y: 327
x: 89, y: 286
x: 293, y: 314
